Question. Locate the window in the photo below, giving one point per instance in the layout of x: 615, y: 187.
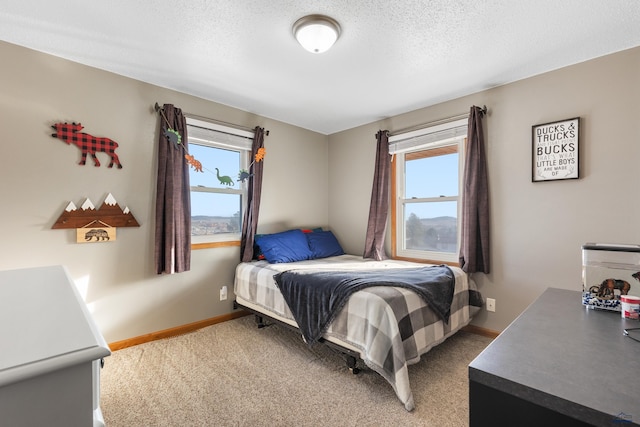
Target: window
x: 218, y: 197
x: 427, y: 167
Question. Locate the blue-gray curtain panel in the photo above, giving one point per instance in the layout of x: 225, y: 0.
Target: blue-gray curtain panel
x: 173, y: 197
x: 379, y: 208
x: 254, y: 191
x: 474, y: 243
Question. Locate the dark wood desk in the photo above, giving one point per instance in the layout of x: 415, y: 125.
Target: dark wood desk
x: 558, y: 364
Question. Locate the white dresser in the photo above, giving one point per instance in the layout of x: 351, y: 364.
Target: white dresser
x: 50, y: 351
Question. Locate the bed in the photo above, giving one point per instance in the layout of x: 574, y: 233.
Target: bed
x: 388, y: 327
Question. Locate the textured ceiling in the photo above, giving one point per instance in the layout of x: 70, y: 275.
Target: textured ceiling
x: 392, y: 56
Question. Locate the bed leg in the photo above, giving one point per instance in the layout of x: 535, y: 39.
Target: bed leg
x: 351, y: 364
x: 260, y: 322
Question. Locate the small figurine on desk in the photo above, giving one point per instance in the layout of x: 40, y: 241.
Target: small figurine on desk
x: 608, y: 287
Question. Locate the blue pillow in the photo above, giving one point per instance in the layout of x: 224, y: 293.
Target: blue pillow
x: 323, y: 244
x: 288, y: 246
x: 257, y: 252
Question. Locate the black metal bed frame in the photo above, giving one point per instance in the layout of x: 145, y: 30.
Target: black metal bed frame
x: 351, y: 357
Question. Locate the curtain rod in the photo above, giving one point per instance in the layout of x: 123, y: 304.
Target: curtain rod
x: 483, y: 111
x: 157, y: 107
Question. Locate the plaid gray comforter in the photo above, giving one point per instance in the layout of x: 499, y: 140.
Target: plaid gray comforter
x: 390, y: 326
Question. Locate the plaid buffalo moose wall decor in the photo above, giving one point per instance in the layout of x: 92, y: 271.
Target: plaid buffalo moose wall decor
x: 70, y: 133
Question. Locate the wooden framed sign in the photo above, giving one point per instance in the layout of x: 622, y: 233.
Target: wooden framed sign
x: 556, y: 150
x: 95, y: 233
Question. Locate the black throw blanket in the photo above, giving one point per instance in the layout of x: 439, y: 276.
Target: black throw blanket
x: 316, y: 298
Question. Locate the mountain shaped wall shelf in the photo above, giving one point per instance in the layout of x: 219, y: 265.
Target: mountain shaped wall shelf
x: 109, y: 214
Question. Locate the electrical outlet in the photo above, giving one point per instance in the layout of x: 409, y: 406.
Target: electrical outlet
x: 223, y: 293
x: 491, y: 304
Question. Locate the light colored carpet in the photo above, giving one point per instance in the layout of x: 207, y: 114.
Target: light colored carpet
x: 234, y: 374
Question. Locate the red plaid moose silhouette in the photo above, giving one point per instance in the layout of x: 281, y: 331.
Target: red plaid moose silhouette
x: 70, y: 133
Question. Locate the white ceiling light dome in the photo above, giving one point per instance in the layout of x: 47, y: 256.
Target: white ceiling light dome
x: 316, y: 33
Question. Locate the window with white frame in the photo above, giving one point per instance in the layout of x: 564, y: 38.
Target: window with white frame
x: 426, y: 179
x: 218, y: 196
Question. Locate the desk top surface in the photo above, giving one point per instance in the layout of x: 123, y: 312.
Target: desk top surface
x: 566, y: 357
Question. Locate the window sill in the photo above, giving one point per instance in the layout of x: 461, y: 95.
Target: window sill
x: 209, y: 245
x: 427, y: 261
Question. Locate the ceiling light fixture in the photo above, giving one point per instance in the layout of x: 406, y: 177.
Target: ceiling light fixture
x: 316, y: 33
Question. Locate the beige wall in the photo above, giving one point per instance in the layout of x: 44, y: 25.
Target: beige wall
x: 537, y: 229
x: 40, y: 177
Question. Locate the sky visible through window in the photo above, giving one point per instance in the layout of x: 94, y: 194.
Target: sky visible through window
x: 228, y: 164
x: 432, y: 177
